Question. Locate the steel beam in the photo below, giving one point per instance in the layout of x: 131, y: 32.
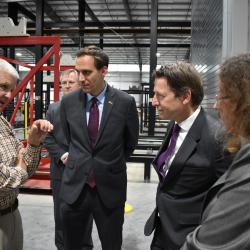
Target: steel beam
x: 26, y: 12
x: 153, y: 63
x: 145, y: 23
x: 38, y: 56
x: 138, y: 45
x: 186, y: 31
x: 129, y: 17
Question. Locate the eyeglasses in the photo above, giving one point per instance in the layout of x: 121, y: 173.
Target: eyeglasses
x: 221, y: 98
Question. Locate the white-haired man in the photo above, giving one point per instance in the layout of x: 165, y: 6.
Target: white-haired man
x: 16, y: 163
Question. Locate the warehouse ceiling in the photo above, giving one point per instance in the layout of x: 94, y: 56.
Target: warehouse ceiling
x: 121, y: 27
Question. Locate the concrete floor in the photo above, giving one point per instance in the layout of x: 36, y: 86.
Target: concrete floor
x: 38, y: 222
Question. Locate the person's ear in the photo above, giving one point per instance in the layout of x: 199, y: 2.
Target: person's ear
x: 104, y: 70
x: 186, y: 96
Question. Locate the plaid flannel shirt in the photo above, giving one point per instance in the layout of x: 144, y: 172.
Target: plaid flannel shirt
x: 11, y: 176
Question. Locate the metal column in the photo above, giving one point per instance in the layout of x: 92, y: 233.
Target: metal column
x: 39, y: 54
x: 153, y: 63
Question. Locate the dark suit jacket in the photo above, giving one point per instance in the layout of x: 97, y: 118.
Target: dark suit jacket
x: 196, y: 166
x: 226, y: 220
x: 55, y: 142
x: 117, y: 138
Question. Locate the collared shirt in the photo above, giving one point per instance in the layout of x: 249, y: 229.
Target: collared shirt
x: 11, y: 176
x: 100, y: 103
x: 185, y: 127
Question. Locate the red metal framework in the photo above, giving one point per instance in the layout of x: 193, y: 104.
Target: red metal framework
x: 54, y: 50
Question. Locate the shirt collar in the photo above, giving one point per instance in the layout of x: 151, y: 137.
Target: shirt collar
x: 186, y: 124
x: 100, y: 97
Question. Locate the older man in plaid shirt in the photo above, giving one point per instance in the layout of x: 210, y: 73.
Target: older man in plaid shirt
x: 16, y: 163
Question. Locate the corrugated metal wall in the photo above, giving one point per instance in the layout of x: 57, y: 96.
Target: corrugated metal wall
x: 206, y: 46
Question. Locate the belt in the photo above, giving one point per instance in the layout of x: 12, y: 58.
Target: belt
x: 10, y: 209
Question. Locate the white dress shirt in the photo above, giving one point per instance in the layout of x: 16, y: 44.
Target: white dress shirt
x: 185, y: 126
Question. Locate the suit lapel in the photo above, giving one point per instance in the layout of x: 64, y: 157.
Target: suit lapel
x: 182, y: 155
x: 82, y: 118
x: 107, y: 107
x: 188, y: 146
x: 163, y: 146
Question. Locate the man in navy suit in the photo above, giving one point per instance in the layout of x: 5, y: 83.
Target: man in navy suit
x: 188, y: 162
x: 101, y: 127
x: 56, y: 145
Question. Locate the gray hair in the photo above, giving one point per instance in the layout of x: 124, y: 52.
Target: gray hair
x: 67, y: 72
x: 5, y: 66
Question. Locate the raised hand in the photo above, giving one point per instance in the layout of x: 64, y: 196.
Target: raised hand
x: 38, y: 131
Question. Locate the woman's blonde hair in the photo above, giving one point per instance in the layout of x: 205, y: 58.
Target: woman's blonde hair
x: 235, y: 77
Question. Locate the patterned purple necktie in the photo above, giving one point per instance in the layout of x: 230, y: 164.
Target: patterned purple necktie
x: 93, y: 126
x: 164, y: 156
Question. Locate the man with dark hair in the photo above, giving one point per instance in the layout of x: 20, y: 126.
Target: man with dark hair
x: 16, y: 162
x: 56, y: 145
x: 190, y: 159
x: 101, y: 127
